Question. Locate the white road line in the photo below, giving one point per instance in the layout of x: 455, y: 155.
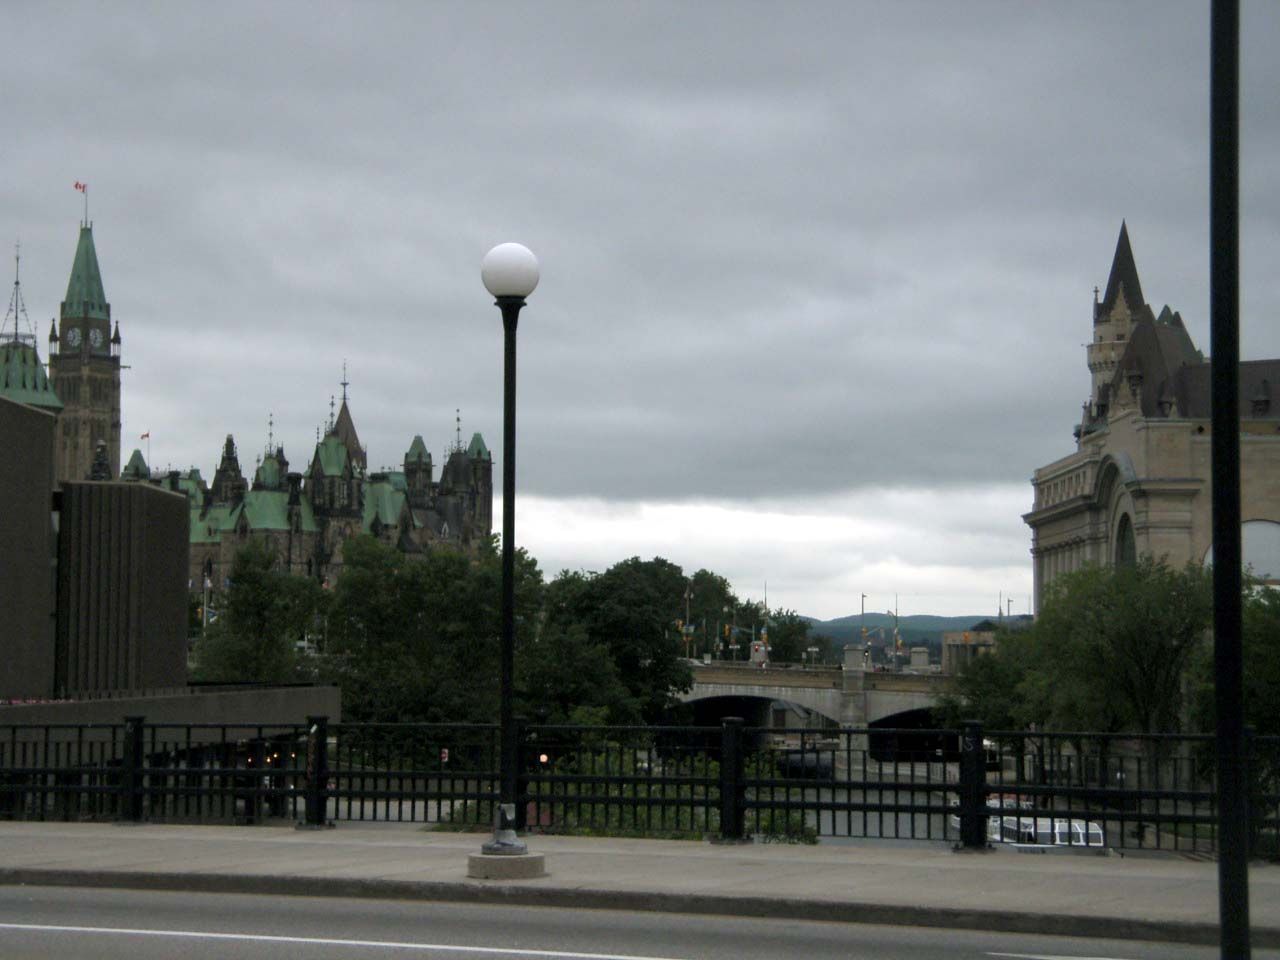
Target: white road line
x: 329, y: 942
x: 1048, y: 956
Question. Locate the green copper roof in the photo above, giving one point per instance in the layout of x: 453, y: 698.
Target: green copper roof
x: 22, y: 376
x: 85, y: 296
x: 269, y: 510
x: 207, y: 527
x: 477, y: 450
x: 397, y: 481
x: 136, y: 468
x: 267, y: 476
x: 418, y: 452
x: 383, y: 503
x: 332, y: 455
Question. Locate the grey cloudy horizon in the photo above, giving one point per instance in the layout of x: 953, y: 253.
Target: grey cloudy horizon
x: 816, y: 279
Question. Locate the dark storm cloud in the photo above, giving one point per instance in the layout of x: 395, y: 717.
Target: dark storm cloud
x: 786, y: 250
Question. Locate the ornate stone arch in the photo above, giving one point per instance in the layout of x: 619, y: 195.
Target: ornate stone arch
x: 1114, y: 504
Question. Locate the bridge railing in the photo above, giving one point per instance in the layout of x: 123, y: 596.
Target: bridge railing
x: 731, y: 782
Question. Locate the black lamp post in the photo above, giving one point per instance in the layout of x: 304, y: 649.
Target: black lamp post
x: 510, y: 273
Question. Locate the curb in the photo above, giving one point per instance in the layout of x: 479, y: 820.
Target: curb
x: 998, y: 921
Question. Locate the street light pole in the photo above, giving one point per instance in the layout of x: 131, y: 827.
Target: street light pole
x: 510, y: 273
x: 1224, y: 352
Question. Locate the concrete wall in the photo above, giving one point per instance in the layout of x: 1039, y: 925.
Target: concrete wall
x: 283, y: 706
x: 122, y: 588
x: 26, y: 551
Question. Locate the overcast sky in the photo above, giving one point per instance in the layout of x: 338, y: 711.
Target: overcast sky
x: 816, y: 278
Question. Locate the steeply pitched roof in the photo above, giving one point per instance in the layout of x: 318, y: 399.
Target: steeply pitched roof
x: 1192, y: 389
x: 136, y: 468
x: 1124, y: 274
x: 344, y: 429
x: 331, y: 456
x: 267, y: 476
x: 207, y: 526
x: 22, y: 376
x: 477, y: 450
x: 85, y: 296
x: 418, y: 452
x: 383, y: 504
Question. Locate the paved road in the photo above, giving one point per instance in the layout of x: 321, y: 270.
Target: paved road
x: 47, y: 922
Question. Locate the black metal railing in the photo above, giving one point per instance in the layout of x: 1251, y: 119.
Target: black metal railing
x: 967, y: 787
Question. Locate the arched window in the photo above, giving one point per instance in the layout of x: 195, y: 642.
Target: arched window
x: 1126, y: 549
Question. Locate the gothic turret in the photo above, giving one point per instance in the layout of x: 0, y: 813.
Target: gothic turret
x: 228, y: 482
x: 1114, y: 318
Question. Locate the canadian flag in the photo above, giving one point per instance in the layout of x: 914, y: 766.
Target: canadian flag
x: 145, y: 436
x: 82, y: 187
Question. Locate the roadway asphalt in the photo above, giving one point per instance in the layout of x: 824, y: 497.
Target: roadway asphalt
x: 1160, y: 897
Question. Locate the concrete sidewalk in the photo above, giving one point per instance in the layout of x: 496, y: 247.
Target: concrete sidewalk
x: 1151, y: 897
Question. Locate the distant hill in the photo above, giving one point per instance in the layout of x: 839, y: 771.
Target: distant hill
x: 918, y: 630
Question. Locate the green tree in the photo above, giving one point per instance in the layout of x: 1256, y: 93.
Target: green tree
x: 1260, y: 653
x: 631, y: 610
x: 265, y: 617
x: 1111, y: 651
x: 417, y: 638
x: 564, y: 675
x: 711, y: 597
x: 788, y: 637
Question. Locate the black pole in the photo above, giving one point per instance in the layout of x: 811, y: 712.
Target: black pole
x: 1224, y: 336
x: 504, y: 840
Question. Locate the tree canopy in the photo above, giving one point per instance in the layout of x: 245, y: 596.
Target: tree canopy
x: 263, y: 621
x: 1111, y: 651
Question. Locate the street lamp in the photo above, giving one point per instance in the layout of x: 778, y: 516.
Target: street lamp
x: 510, y: 273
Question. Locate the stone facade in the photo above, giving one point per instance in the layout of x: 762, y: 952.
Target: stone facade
x: 1139, y: 479
x: 307, y: 516
x: 84, y: 366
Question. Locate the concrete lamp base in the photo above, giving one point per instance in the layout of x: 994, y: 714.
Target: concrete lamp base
x: 523, y: 866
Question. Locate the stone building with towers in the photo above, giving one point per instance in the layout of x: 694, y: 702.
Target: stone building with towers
x: 1139, y: 480
x: 307, y: 515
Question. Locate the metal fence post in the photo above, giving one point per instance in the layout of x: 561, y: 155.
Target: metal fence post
x: 317, y: 795
x: 732, y: 790
x: 973, y: 787
x: 131, y: 770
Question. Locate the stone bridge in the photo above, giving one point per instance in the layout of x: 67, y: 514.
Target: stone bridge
x: 850, y: 696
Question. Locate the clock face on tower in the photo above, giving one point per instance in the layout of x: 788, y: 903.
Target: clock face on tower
x: 73, y: 337
x: 95, y: 338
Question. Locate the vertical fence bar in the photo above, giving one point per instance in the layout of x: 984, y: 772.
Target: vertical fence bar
x: 317, y: 796
x: 131, y: 770
x: 973, y: 771
x: 732, y: 793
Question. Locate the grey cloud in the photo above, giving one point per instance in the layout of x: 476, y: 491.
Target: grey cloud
x: 787, y: 251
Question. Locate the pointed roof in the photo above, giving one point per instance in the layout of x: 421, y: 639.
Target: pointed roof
x: 418, y: 452
x: 1124, y: 275
x: 268, y: 475
x: 331, y: 457
x: 477, y: 450
x: 85, y: 297
x: 344, y: 429
x: 136, y: 468
x: 22, y: 377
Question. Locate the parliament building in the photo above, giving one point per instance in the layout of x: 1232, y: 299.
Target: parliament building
x: 306, y: 515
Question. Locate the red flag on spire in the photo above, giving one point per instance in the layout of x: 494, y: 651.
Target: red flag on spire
x: 82, y: 187
x: 145, y: 436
